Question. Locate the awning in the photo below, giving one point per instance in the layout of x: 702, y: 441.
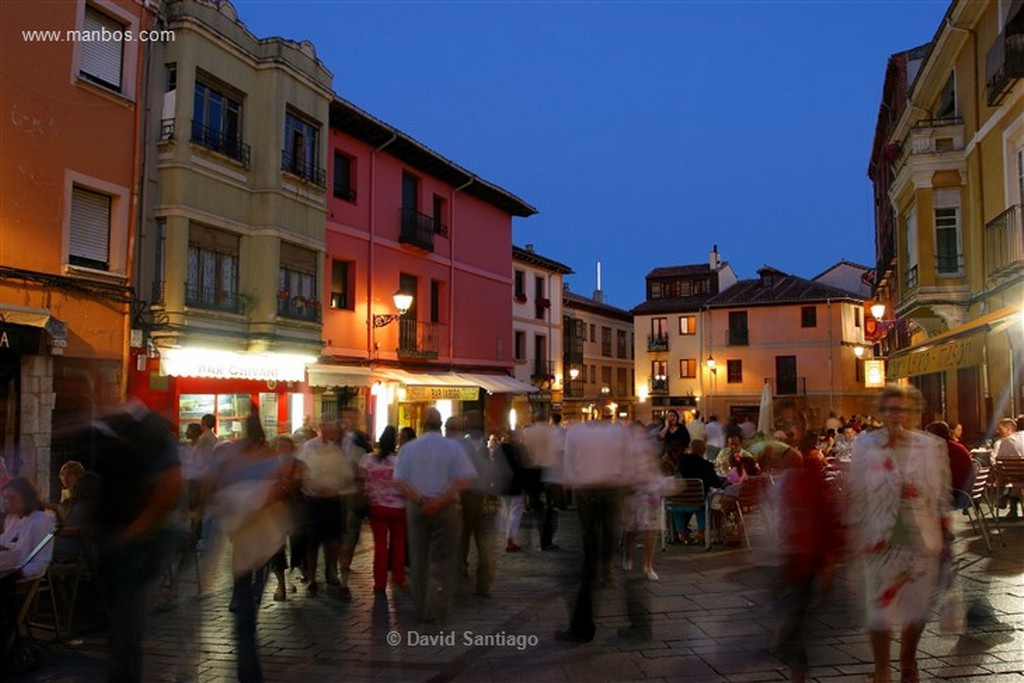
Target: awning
x: 495, y: 384
x: 39, y: 318
x: 339, y: 376
x: 957, y: 348
x: 500, y: 384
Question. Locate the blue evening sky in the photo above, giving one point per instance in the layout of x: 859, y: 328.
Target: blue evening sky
x: 643, y: 132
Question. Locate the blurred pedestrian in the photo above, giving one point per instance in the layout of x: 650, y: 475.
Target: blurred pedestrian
x: 387, y: 511
x: 899, y: 524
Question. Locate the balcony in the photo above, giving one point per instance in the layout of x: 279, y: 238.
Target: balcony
x: 657, y: 342
x: 574, y: 388
x: 418, y: 340
x: 788, y: 385
x: 418, y: 229
x: 211, y: 298
x: 299, y: 308
x: 215, y: 139
x: 158, y: 293
x: 303, y: 168
x: 1004, y: 63
x: 166, y: 129
x: 738, y: 336
x: 543, y: 370
x: 910, y: 281
x: 1004, y: 243
x: 658, y: 386
x: 930, y: 145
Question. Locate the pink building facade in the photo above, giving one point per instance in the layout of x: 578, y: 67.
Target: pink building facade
x: 402, y: 218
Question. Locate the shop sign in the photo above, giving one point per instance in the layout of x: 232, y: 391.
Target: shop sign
x: 268, y: 367
x: 874, y: 373
x: 21, y: 339
x: 956, y: 353
x: 442, y: 393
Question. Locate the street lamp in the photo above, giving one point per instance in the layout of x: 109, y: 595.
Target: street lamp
x: 402, y: 301
x: 710, y: 362
x: 574, y: 373
x: 858, y: 351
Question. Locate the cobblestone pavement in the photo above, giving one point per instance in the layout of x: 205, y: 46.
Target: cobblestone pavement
x: 712, y: 621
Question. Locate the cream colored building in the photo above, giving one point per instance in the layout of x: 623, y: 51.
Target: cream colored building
x: 953, y: 276
x: 537, y: 332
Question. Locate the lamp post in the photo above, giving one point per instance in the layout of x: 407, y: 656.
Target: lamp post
x: 710, y: 363
x: 402, y: 301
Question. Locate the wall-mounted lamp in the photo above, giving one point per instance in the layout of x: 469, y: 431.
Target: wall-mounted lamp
x: 606, y: 390
x: 710, y: 362
x: 403, y: 301
x: 858, y: 351
x: 574, y: 373
x: 877, y: 311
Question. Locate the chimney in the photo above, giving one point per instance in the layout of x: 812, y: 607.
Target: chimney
x: 529, y: 248
x: 714, y: 260
x: 598, y: 294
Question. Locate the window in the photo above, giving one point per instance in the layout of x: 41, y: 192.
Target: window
x: 160, y: 261
x: 341, y: 287
x: 659, y: 328
x: 410, y: 192
x: 947, y: 233
x: 734, y: 371
x: 440, y: 211
x: 620, y: 343
x: 809, y: 316
x: 540, y: 357
x: 659, y: 376
x: 593, y: 374
x: 606, y: 341
x: 519, y: 286
x: 858, y: 371
x: 606, y: 376
x: 343, y: 177
x: 301, y: 155
x: 520, y: 345
x: 298, y: 295
x: 911, y: 261
x: 435, y: 301
x: 856, y: 317
x: 542, y: 304
x: 620, y: 381
x: 90, y: 229
x: 593, y: 333
x: 656, y: 290
x: 738, y: 333
x: 947, y: 108
x: 687, y: 324
x: 688, y: 368
x: 212, y: 278
x: 217, y: 120
x: 172, y: 76
x: 102, y: 61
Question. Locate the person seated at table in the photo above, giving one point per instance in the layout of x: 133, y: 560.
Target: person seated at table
x: 68, y: 475
x: 25, y: 526
x: 1009, y: 447
x: 694, y: 465
x: 959, y: 459
x: 733, y: 452
x: 76, y: 522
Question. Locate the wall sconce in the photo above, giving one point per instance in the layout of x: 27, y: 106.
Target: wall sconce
x: 606, y: 390
x: 710, y: 362
x: 403, y: 301
x: 877, y: 310
x: 574, y: 373
x: 858, y: 351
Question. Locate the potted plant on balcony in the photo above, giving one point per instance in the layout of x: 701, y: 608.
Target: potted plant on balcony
x: 544, y: 303
x: 283, y: 295
x: 520, y: 297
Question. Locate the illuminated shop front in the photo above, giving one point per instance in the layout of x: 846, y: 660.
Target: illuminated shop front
x: 185, y: 384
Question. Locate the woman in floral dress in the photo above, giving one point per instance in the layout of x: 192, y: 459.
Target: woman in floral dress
x: 899, y: 517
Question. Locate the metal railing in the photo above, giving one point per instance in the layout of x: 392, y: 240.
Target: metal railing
x: 158, y: 292
x: 303, y: 168
x: 949, y: 264
x: 1004, y: 242
x: 657, y: 342
x: 738, y: 336
x: 418, y: 339
x: 574, y: 388
x: 299, y: 308
x: 166, y: 129
x: 1004, y: 64
x: 211, y: 298
x: 788, y: 385
x: 417, y: 229
x: 543, y: 369
x: 910, y: 281
x: 658, y: 386
x: 215, y: 139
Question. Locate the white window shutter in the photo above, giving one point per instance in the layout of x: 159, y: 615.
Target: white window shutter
x: 101, y: 59
x: 90, y: 226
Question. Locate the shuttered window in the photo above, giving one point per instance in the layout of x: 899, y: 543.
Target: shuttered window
x: 90, y: 229
x: 101, y: 55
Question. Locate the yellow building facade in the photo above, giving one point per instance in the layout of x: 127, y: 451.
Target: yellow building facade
x: 954, y: 286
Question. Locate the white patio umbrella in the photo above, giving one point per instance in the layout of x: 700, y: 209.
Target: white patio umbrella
x: 766, y: 414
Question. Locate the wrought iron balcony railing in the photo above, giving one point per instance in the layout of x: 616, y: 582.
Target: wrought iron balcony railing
x: 211, y: 298
x: 658, y: 386
x: 303, y: 168
x: 574, y: 388
x: 417, y: 229
x: 215, y: 139
x: 738, y: 336
x: 158, y: 292
x: 788, y: 385
x: 1004, y: 64
x: 657, y: 342
x: 910, y: 281
x: 299, y: 308
x: 543, y: 369
x: 1004, y: 242
x: 418, y: 340
x: 166, y: 129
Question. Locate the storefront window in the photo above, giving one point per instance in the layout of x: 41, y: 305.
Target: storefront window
x: 229, y: 409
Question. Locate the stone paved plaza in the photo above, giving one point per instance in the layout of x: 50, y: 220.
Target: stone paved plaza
x: 712, y: 621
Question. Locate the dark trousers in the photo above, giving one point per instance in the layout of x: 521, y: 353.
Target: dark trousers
x: 546, y: 511
x: 246, y: 594
x: 599, y: 522
x: 128, y: 572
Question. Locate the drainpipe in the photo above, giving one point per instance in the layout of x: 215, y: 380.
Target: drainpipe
x: 831, y: 372
x: 451, y: 272
x: 370, y: 333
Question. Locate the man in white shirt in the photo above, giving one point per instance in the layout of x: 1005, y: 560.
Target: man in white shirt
x: 1009, y: 447
x: 715, y: 432
x: 696, y: 428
